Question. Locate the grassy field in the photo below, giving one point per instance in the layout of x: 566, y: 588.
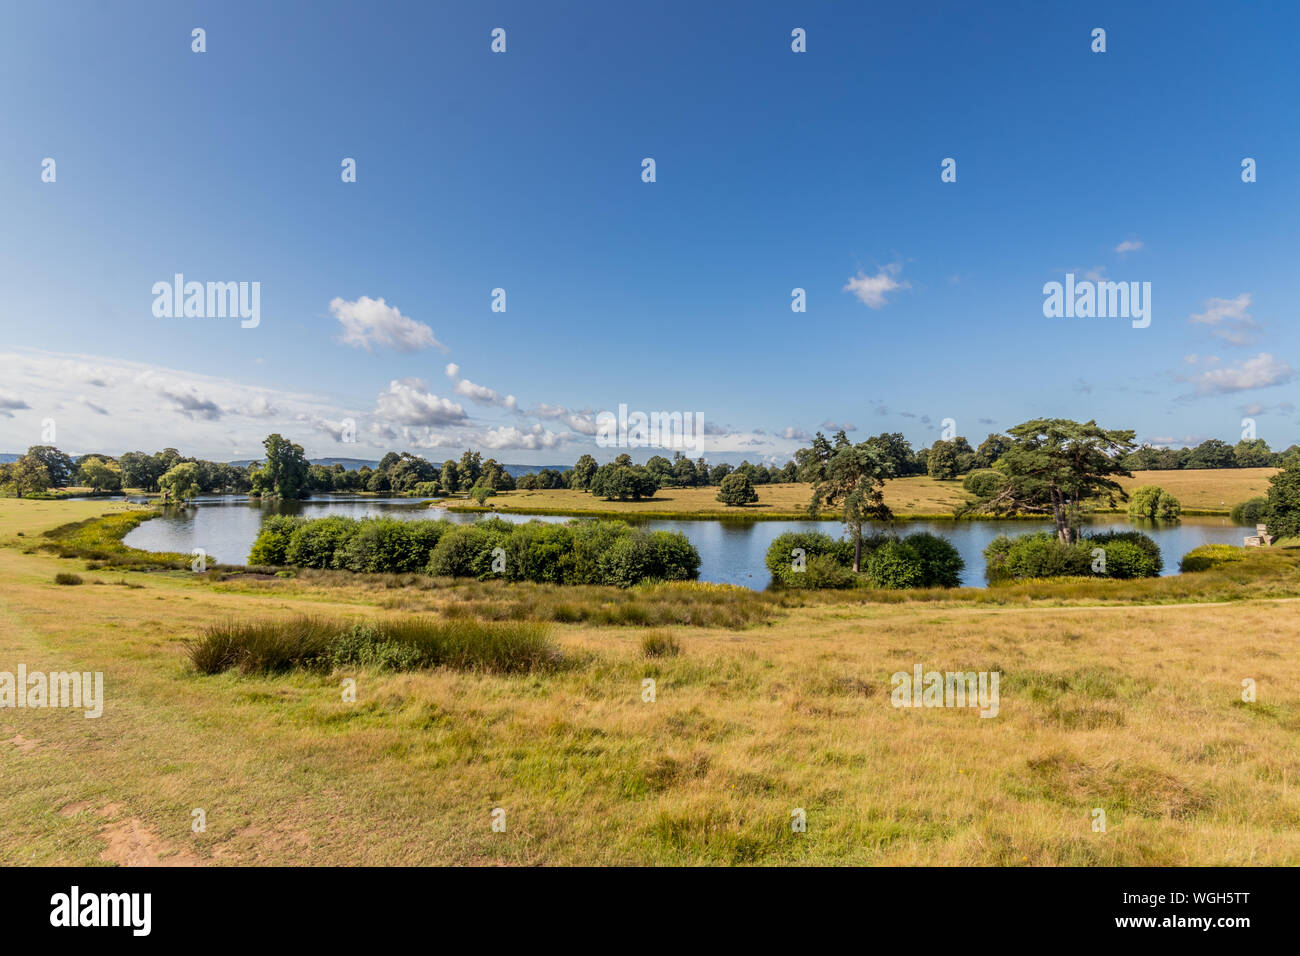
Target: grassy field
x: 1133, y: 709
x: 1209, y: 490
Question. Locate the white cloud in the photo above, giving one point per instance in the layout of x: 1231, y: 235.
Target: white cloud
x: 484, y: 395
x: 1261, y: 371
x: 452, y: 370
x: 507, y: 436
x: 795, y: 434
x: 408, y: 402
x: 1229, y: 319
x: 139, y: 406
x: 872, y: 290
x: 1129, y: 245
x: 368, y: 322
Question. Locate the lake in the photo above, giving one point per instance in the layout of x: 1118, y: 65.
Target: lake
x: 731, y: 552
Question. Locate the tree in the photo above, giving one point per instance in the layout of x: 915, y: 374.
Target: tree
x: 737, y: 490
x: 662, y: 470
x: 181, y: 483
x: 1152, y: 501
x: 29, y: 475
x: 450, y: 479
x: 623, y: 482
x: 140, y: 471
x: 719, y: 472
x: 583, y: 472
x: 1252, y: 454
x: 59, y: 466
x: 991, y: 449
x: 1283, y: 510
x: 100, y: 474
x: 851, y: 478
x: 482, y: 492
x: 284, y: 473
x: 942, y: 462
x: 1053, y: 466
x: 469, y: 470
x: 1212, y: 453
x: 895, y: 449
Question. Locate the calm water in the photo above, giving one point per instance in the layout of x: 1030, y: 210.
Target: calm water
x: 731, y: 552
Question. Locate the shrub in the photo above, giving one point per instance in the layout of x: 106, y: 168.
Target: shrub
x: 814, y: 544
x: 1151, y: 501
x: 1038, y: 555
x: 984, y: 482
x: 389, y: 545
x: 466, y: 550
x: 895, y: 564
x: 941, y: 564
x: 273, y: 540
x: 540, y: 552
x: 1129, y: 554
x: 64, y: 578
x: 1209, y: 556
x: 313, y: 543
x: 660, y: 644
x: 1250, y: 512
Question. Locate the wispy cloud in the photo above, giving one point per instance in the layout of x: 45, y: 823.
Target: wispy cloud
x: 871, y: 290
x: 1261, y: 371
x: 1229, y: 319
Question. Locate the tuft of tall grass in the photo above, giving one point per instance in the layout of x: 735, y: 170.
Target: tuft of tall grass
x: 660, y: 644
x: 411, y: 643
x: 64, y: 578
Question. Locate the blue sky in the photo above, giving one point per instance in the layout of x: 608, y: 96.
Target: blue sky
x: 522, y: 171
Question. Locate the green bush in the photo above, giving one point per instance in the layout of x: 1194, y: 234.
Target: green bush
x: 1129, y: 554
x: 984, y: 482
x: 1209, y: 556
x: 1151, y: 501
x: 941, y: 564
x: 540, y: 552
x: 389, y: 545
x: 466, y: 550
x: 826, y: 571
x: 64, y: 577
x: 895, y: 564
x: 1037, y: 555
x: 780, y: 560
x: 273, y: 540
x: 313, y: 543
x: 1250, y: 512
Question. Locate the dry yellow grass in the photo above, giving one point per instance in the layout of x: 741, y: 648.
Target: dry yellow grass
x: 1203, y: 490
x: 1210, y: 489
x: 1133, y: 710
x: 915, y: 495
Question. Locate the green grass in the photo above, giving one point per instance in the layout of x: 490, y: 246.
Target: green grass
x: 99, y: 540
